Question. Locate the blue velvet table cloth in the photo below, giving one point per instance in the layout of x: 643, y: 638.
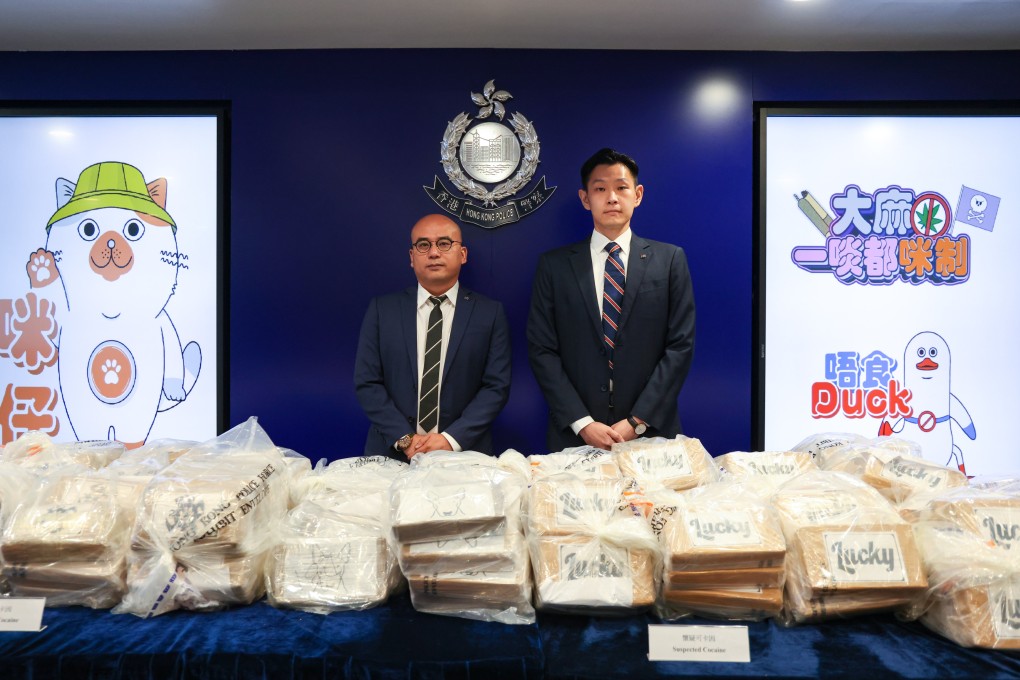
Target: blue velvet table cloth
x: 394, y: 641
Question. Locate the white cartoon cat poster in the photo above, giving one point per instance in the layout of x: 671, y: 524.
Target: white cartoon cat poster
x: 108, y: 277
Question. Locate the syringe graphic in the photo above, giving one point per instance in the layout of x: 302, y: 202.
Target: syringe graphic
x: 814, y: 212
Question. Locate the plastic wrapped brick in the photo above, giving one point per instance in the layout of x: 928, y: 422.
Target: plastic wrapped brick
x: 353, y: 487
x: 205, y: 524
x: 436, y: 502
x: 974, y: 598
x: 69, y: 542
x: 848, y: 551
x: 586, y: 462
x: 900, y: 477
x: 456, y: 519
x: 72, y: 518
x: 590, y: 551
x: 488, y: 552
x: 827, y: 443
x: 325, y: 562
x: 677, y: 464
x: 774, y: 467
x: 747, y: 603
x: 723, y: 552
x: 723, y: 527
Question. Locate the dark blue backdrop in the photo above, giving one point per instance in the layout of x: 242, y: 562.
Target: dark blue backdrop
x: 330, y: 150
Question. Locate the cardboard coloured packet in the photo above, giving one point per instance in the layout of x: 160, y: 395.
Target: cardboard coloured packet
x: 900, y: 477
x: 498, y: 551
x: 677, y: 464
x: 985, y: 615
x: 44, y: 532
x: 776, y: 465
x: 858, y: 558
x: 724, y: 534
x: 746, y: 603
x: 765, y: 577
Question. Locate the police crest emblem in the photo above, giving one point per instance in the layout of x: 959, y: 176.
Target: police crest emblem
x: 489, y: 161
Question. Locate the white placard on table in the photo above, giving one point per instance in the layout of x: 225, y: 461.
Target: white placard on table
x: 21, y: 614
x: 727, y: 644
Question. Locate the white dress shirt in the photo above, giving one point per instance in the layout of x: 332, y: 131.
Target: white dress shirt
x: 448, y: 307
x: 598, y: 267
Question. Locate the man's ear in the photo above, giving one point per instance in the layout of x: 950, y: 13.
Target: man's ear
x: 583, y: 195
x: 639, y: 193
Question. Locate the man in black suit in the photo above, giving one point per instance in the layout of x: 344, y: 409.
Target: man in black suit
x: 611, y: 326
x: 433, y: 365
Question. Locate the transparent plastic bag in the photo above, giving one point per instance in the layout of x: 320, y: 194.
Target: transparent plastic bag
x: 968, y: 540
x: 204, y: 525
x: 352, y: 487
x: 324, y: 562
x: 657, y: 462
x: 583, y: 461
x: 900, y: 477
x: 848, y: 550
x: 456, y: 524
x: 723, y: 553
x: 68, y: 541
x: 772, y: 467
x: 591, y: 551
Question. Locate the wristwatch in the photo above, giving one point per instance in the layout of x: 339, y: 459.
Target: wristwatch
x: 404, y: 442
x: 639, y: 428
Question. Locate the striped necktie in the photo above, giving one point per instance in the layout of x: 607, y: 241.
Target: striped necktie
x: 612, y: 297
x: 428, y: 399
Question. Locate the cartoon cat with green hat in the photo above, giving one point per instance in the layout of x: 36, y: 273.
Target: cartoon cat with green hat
x: 113, y: 247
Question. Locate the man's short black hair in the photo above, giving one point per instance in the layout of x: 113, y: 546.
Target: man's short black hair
x: 607, y: 157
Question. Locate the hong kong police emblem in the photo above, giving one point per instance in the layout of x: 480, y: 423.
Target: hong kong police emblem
x: 488, y: 161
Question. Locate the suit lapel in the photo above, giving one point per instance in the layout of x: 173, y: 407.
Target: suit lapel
x: 637, y: 265
x: 580, y: 262
x: 461, y: 320
x: 409, y: 327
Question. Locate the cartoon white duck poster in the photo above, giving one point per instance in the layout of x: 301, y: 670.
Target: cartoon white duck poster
x: 109, y: 320
x: 891, y: 281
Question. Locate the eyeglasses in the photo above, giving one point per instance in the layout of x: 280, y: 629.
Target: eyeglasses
x: 443, y: 245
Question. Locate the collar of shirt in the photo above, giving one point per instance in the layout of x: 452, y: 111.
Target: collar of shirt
x: 451, y: 295
x: 598, y: 246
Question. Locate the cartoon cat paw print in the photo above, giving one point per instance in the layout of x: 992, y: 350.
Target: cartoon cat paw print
x: 110, y: 370
x: 41, y: 268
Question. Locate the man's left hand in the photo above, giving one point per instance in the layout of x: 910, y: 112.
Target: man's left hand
x: 625, y: 430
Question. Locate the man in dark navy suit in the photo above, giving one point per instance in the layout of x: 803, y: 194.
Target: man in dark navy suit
x: 433, y: 365
x: 611, y: 326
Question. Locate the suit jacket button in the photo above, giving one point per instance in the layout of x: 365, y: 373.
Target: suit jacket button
x: 602, y: 351
x: 604, y: 388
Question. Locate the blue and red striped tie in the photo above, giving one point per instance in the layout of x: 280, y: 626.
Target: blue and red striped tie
x: 612, y: 297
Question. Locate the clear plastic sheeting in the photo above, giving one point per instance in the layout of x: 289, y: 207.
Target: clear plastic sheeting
x: 675, y: 464
x: 723, y: 552
x: 848, y: 550
x: 456, y: 524
x: 970, y: 543
x: 327, y: 562
x: 205, y: 524
x: 591, y: 549
x: 68, y: 542
x: 772, y: 467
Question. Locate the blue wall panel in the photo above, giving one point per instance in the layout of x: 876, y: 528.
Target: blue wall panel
x: 330, y: 150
